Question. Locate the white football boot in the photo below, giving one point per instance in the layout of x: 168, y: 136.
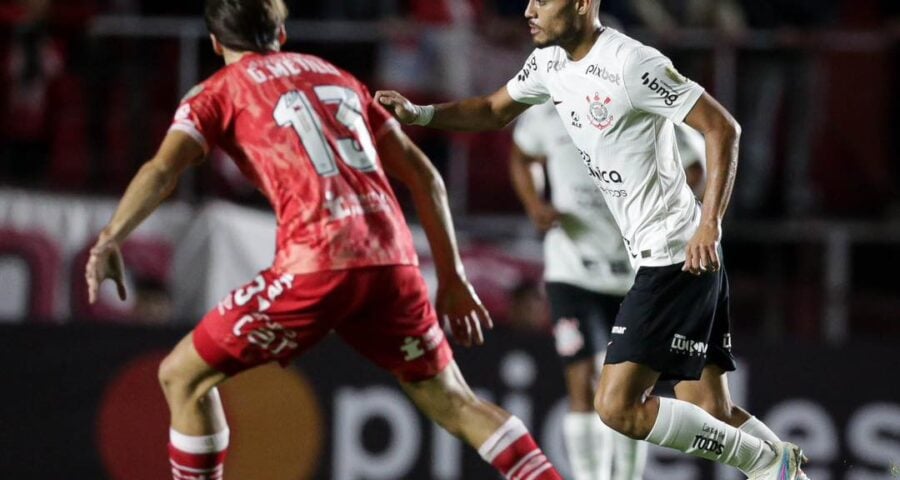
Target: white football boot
x: 788, y: 459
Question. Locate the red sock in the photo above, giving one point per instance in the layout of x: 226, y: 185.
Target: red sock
x: 513, y: 452
x: 197, y: 458
x: 196, y: 466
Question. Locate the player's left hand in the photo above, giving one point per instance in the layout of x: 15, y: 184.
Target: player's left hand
x: 702, y: 251
x: 462, y: 312
x: 105, y: 262
x: 404, y: 110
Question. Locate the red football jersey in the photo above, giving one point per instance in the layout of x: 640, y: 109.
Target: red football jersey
x: 304, y: 132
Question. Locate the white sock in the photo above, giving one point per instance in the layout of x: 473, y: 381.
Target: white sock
x: 603, y: 446
x: 759, y: 430
x: 630, y: 457
x: 199, y: 445
x: 690, y: 429
x: 588, y: 444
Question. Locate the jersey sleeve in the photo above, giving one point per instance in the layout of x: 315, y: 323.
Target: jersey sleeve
x: 655, y: 86
x: 527, y: 134
x: 528, y: 85
x: 380, y: 120
x: 201, y: 115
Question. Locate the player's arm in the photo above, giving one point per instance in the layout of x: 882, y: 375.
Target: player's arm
x: 155, y: 180
x: 521, y: 174
x: 490, y: 112
x: 456, y: 302
x: 721, y: 133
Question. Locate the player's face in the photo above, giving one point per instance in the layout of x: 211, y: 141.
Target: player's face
x: 551, y: 22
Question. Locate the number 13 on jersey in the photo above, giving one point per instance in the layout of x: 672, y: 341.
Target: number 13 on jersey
x: 357, y: 151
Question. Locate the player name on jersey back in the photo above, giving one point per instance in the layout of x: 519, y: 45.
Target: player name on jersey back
x: 271, y: 68
x: 305, y: 133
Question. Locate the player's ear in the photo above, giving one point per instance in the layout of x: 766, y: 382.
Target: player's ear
x: 583, y: 7
x: 217, y: 47
x: 282, y: 35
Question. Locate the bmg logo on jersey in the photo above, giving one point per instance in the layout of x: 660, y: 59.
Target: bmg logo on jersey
x: 530, y: 66
x: 662, y: 89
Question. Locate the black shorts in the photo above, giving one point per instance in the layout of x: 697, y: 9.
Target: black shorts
x: 674, y: 322
x: 581, y: 320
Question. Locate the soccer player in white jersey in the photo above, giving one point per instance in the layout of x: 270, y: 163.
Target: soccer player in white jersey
x: 619, y: 100
x: 587, y: 273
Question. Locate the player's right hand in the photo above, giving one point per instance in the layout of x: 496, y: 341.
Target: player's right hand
x: 544, y: 216
x: 404, y: 110
x: 462, y: 312
x: 105, y: 262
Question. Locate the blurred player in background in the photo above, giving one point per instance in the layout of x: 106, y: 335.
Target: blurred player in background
x: 619, y: 100
x: 587, y: 273
x: 314, y: 142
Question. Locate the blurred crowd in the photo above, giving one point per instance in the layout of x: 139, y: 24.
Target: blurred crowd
x: 813, y: 82
x: 81, y: 110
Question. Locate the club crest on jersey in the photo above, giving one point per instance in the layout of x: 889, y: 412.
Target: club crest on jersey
x: 597, y: 111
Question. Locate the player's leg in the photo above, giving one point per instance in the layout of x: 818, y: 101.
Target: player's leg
x: 198, y: 435
x: 624, y: 405
x: 398, y: 331
x: 629, y: 455
x: 589, y: 443
x: 500, y: 438
x: 711, y: 394
x: 274, y: 318
x: 664, y: 330
x: 580, y: 324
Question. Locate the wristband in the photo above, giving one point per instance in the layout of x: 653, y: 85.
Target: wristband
x: 424, y: 114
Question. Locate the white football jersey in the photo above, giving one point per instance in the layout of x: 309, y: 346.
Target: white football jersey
x: 586, y: 249
x: 619, y: 104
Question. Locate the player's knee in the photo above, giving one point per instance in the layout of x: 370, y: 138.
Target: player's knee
x: 622, y: 412
x: 167, y: 373
x: 614, y: 409
x: 173, y: 379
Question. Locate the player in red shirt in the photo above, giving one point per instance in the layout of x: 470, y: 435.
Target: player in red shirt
x: 315, y: 143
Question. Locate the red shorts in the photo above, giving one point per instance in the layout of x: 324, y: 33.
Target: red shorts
x: 382, y: 312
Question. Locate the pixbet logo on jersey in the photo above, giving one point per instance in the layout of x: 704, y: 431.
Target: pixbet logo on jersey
x: 597, y: 111
x: 662, y: 89
x: 603, y: 74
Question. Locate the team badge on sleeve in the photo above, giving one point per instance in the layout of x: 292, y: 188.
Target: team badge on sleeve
x: 675, y: 75
x: 193, y: 92
x: 598, y: 113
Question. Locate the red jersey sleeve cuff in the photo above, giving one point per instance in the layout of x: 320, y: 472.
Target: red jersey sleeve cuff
x: 192, y: 132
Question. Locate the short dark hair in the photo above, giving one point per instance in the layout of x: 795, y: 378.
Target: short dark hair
x: 245, y: 25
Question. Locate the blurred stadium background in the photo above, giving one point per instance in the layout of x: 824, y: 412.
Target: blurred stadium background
x: 88, y: 89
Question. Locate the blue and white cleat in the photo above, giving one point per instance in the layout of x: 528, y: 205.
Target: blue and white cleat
x: 788, y: 459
